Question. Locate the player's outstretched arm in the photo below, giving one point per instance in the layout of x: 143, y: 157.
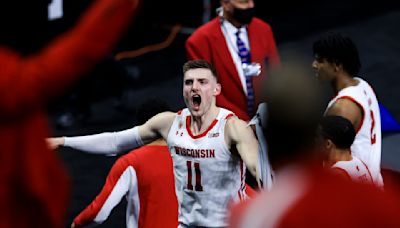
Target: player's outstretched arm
x: 121, y: 141
x: 156, y: 127
x: 239, y: 134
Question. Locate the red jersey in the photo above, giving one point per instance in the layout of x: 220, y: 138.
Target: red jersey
x: 33, y: 185
x: 145, y: 177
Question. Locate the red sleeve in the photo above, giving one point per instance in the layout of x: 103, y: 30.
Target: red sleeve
x: 89, y: 214
x: 29, y: 82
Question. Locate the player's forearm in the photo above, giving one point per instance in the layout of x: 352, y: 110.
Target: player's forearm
x: 254, y: 170
x: 250, y: 159
x: 106, y: 143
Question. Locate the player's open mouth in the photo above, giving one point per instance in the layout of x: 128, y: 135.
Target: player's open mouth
x: 196, y: 100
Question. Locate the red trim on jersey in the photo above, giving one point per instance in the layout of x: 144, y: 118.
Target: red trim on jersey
x: 188, y: 119
x: 229, y: 115
x: 362, y: 108
x: 341, y: 171
x: 240, y: 196
x: 373, y: 91
x: 240, y: 191
x: 179, y: 112
x: 250, y: 192
x: 372, y: 179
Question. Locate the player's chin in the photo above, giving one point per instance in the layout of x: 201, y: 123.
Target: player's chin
x: 195, y: 112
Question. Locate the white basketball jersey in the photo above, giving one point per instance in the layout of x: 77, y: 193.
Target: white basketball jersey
x: 207, y: 176
x: 367, y: 144
x: 356, y: 169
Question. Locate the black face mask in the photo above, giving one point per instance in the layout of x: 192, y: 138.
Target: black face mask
x: 244, y: 16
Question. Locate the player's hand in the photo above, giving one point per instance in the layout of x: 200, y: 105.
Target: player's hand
x: 73, y: 225
x: 54, y: 143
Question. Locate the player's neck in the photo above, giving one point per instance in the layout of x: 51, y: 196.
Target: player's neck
x: 344, y: 81
x: 342, y: 155
x: 200, y: 124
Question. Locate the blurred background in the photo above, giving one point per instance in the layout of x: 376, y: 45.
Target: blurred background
x: 147, y: 63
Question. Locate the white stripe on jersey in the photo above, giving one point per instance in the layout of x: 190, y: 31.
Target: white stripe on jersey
x: 126, y: 183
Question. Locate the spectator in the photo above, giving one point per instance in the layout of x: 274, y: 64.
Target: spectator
x: 238, y: 45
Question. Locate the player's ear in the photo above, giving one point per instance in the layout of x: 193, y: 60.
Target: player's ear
x: 328, y: 144
x: 338, y: 66
x: 217, y: 89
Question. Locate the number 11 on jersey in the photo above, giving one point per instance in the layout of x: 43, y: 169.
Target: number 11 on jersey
x: 197, y: 172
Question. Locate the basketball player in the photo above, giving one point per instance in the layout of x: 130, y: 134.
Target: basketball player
x: 337, y: 61
x: 338, y: 134
x: 145, y: 178
x: 305, y: 194
x: 209, y: 147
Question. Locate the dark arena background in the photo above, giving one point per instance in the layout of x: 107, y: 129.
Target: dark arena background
x: 147, y: 63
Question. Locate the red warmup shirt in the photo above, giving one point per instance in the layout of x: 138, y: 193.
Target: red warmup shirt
x: 145, y: 177
x: 33, y: 184
x: 313, y: 197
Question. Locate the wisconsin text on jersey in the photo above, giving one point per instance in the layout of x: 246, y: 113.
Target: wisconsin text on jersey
x: 195, y: 153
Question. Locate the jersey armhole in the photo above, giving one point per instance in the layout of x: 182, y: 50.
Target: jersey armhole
x: 228, y: 117
x: 360, y: 106
x: 177, y: 114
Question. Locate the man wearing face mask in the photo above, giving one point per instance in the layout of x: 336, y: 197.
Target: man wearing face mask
x: 240, y: 47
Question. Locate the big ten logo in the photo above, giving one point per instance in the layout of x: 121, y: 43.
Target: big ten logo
x: 213, y: 135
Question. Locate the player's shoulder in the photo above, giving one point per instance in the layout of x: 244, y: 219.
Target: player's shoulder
x: 161, y: 121
x: 346, y: 104
x: 165, y: 116
x: 235, y: 125
x: 123, y: 163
